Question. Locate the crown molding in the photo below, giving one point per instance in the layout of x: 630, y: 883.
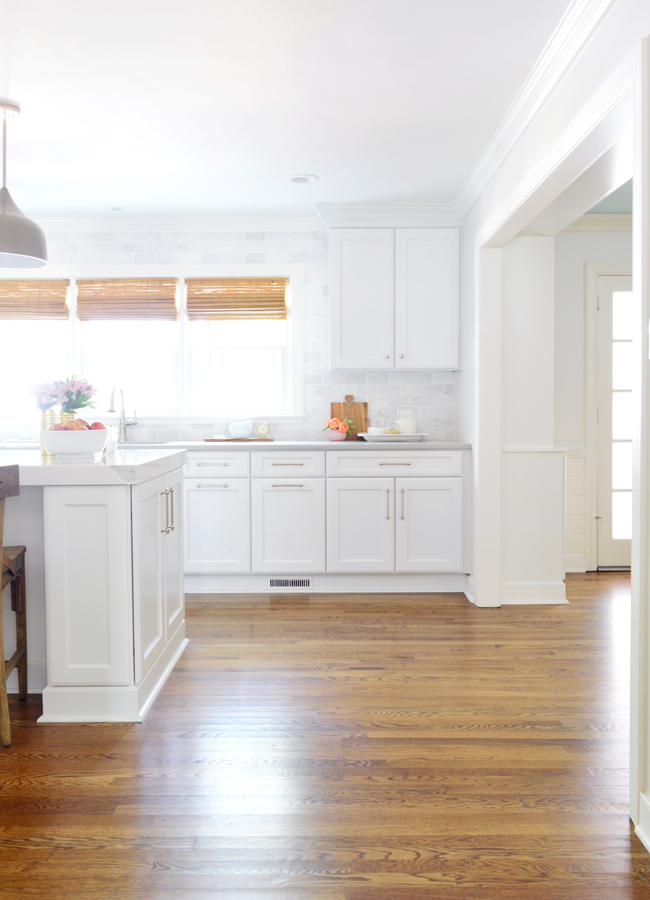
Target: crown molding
x: 601, y: 222
x: 578, y: 23
x: 388, y: 215
x: 180, y: 224
x: 609, y: 109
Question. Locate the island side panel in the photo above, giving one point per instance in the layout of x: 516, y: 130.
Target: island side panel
x: 88, y: 586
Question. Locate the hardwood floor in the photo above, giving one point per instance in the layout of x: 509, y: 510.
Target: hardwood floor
x: 403, y: 747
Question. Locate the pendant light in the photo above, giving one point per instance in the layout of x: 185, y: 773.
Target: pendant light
x: 22, y: 242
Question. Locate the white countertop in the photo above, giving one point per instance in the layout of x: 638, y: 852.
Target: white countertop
x: 124, y: 467
x: 267, y: 446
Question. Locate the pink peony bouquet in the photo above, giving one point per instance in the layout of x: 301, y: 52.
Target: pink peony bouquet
x: 70, y: 395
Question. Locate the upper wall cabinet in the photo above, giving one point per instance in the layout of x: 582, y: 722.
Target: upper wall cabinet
x: 394, y: 298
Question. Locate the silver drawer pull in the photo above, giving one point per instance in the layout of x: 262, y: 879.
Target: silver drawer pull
x: 213, y: 464
x: 165, y: 494
x: 287, y: 485
x: 212, y: 485
x: 394, y: 464
x: 171, y: 503
x: 287, y: 464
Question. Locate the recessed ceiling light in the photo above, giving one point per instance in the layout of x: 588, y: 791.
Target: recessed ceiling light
x: 304, y: 179
x: 116, y: 209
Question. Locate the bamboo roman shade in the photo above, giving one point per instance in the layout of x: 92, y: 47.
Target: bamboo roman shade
x: 236, y: 298
x: 126, y: 298
x: 34, y: 299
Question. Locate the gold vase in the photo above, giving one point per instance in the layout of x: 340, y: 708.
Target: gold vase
x: 51, y: 417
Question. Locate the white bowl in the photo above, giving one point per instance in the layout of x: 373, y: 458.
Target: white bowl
x: 74, y: 444
x: 240, y: 429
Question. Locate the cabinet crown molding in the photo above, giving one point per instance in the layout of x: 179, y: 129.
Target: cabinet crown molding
x: 388, y: 215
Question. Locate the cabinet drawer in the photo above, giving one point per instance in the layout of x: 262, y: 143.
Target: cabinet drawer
x: 218, y: 465
x: 284, y: 465
x: 395, y: 462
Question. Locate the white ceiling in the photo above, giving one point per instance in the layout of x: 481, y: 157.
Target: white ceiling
x: 209, y: 106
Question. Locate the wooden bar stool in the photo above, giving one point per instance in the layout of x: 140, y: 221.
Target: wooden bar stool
x: 13, y: 573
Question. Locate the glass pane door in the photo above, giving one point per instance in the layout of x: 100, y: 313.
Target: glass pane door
x: 616, y: 326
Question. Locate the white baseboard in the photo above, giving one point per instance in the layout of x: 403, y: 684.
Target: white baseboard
x: 330, y: 584
x: 469, y: 589
x: 643, y: 828
x: 553, y: 592
x: 36, y: 677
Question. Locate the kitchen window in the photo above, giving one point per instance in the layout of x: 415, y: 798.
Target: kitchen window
x: 226, y: 345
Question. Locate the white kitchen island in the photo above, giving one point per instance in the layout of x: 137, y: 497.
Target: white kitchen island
x: 104, y: 545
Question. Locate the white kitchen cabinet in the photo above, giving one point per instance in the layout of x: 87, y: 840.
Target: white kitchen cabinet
x: 428, y: 524
x: 394, y: 298
x: 288, y: 525
x: 427, y: 298
x: 360, y: 524
x: 362, y: 330
x: 88, y: 584
x: 217, y: 525
x: 158, y: 596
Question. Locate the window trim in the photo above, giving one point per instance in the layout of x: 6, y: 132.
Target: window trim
x: 293, y: 272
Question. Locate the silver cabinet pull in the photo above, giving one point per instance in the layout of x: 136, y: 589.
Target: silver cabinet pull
x: 287, y: 464
x: 212, y: 485
x: 401, y: 356
x: 388, y: 356
x: 599, y: 517
x: 171, y: 503
x: 213, y: 464
x: 165, y: 494
x: 402, y: 502
x: 287, y: 485
x: 388, y: 503
x: 394, y: 464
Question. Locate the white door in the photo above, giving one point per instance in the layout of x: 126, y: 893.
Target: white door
x: 217, y: 525
x: 173, y: 577
x: 288, y: 525
x: 360, y: 524
x: 429, y: 525
x: 362, y: 295
x: 149, y: 523
x: 615, y: 419
x: 427, y: 298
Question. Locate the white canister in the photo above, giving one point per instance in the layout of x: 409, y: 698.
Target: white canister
x: 407, y: 421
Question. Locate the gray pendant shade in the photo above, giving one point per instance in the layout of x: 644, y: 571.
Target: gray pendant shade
x: 22, y: 242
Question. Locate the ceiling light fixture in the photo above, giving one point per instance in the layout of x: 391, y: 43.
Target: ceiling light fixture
x: 22, y: 242
x: 304, y: 179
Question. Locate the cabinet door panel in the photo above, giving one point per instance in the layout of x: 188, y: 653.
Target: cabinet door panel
x: 429, y: 524
x: 362, y: 298
x: 174, y: 589
x: 148, y: 502
x: 427, y: 299
x: 360, y: 530
x: 288, y: 525
x: 217, y: 525
x: 88, y: 585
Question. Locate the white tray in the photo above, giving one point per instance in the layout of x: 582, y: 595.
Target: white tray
x: 391, y: 437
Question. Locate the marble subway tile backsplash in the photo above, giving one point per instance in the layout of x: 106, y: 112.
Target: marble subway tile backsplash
x: 430, y: 393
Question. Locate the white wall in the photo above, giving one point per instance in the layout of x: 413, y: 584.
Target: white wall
x: 573, y: 252
x: 238, y: 240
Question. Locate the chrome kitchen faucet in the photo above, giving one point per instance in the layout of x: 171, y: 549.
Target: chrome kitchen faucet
x: 123, y: 420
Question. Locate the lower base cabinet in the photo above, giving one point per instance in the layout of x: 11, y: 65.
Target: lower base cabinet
x: 394, y: 525
x: 288, y: 525
x: 217, y: 532
x: 158, y: 589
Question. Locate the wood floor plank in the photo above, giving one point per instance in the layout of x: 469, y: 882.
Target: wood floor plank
x: 381, y: 747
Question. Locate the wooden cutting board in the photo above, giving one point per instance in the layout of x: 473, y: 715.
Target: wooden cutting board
x: 358, y: 412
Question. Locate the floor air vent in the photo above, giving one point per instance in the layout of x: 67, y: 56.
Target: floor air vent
x: 290, y: 582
